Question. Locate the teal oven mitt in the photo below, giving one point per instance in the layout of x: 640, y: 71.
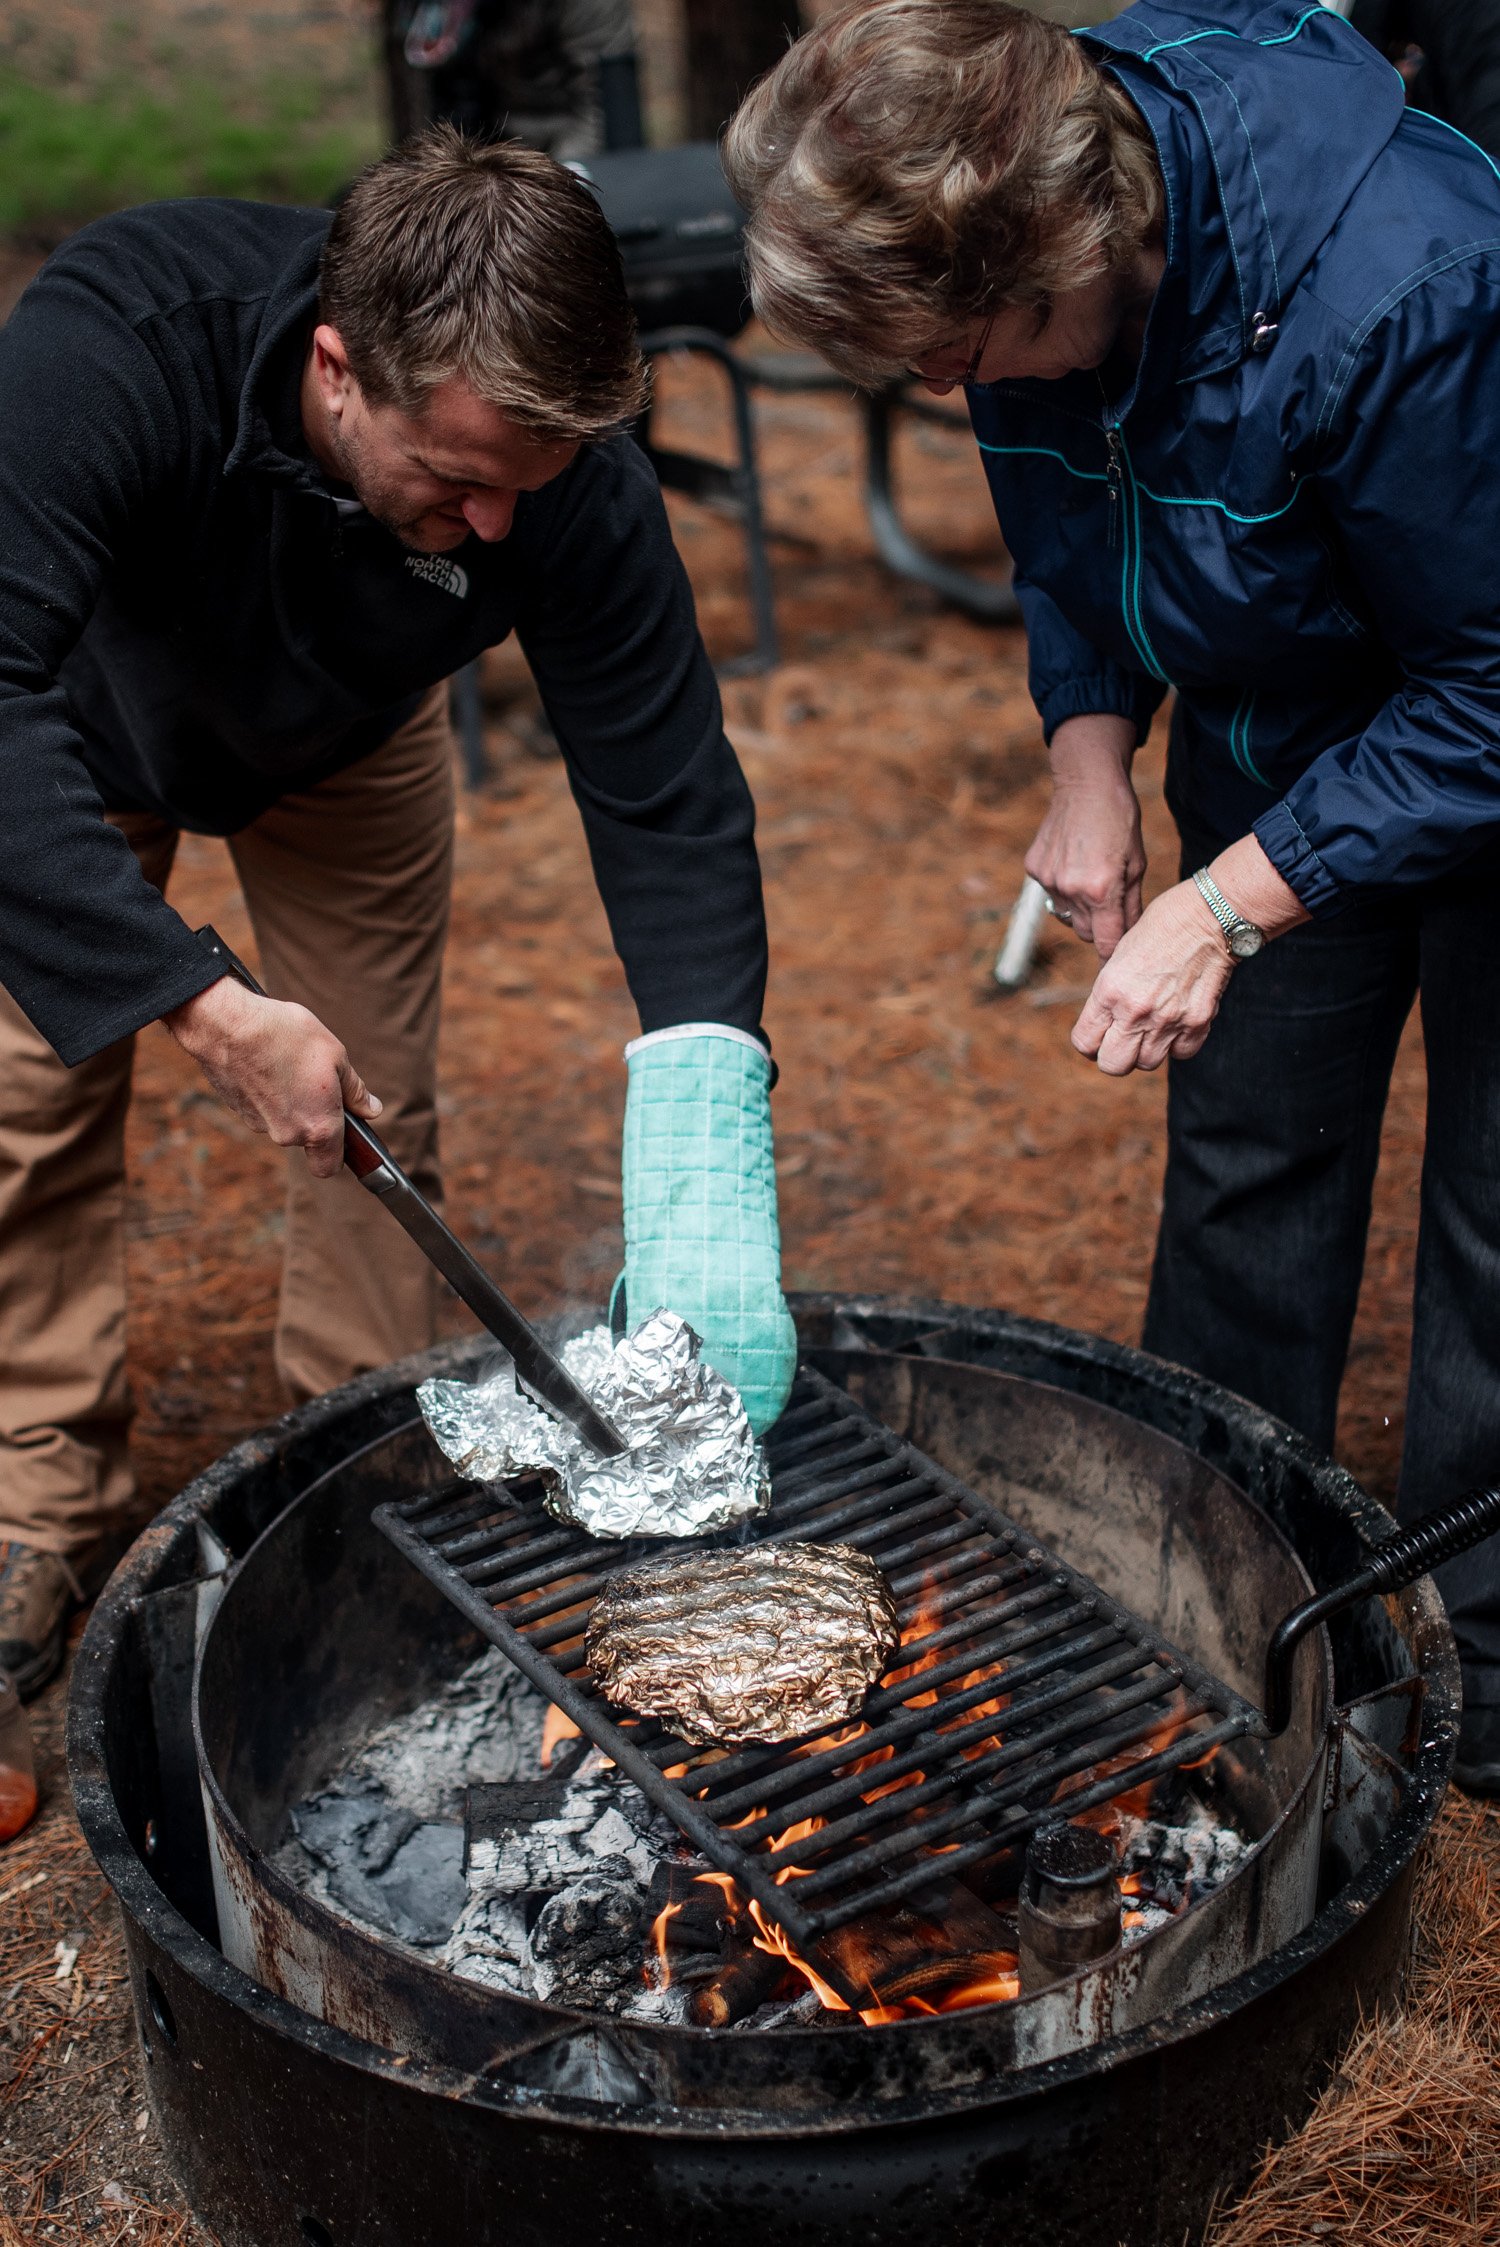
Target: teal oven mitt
x: 701, y: 1235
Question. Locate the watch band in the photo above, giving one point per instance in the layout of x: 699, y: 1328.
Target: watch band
x: 1243, y: 937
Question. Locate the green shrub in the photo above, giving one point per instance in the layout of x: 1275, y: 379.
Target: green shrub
x: 68, y: 156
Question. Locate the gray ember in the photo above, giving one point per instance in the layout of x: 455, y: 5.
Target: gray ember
x: 586, y: 1946
x: 382, y: 1864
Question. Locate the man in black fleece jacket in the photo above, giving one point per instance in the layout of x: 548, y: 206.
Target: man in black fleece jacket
x: 262, y: 490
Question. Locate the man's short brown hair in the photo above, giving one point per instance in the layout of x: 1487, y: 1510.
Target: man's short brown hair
x: 489, y: 262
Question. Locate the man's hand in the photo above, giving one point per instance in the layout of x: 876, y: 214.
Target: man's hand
x: 274, y: 1064
x: 1161, y: 990
x: 1088, y: 854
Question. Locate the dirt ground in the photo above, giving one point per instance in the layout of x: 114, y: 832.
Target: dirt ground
x: 932, y: 1136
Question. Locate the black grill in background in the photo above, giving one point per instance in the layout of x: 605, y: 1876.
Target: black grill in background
x: 681, y: 234
x: 1092, y: 1696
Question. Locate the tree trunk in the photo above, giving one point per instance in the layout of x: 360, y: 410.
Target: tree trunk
x: 730, y: 43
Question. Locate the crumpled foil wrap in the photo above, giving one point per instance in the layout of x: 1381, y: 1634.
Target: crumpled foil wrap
x: 764, y: 1642
x: 692, y: 1466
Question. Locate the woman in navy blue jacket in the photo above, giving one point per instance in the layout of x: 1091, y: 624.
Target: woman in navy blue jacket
x: 1229, y: 321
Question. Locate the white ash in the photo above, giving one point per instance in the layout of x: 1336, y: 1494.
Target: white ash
x: 600, y: 1816
x: 1179, y: 1861
x: 593, y: 1861
x: 383, y: 1843
x: 482, y: 1727
x: 381, y: 1864
x: 555, y: 1910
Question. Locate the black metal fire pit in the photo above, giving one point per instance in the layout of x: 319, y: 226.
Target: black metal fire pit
x: 395, y: 2107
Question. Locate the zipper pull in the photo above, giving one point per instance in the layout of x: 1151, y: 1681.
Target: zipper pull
x: 1112, y: 439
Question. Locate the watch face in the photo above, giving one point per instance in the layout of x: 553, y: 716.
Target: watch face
x: 1245, y: 940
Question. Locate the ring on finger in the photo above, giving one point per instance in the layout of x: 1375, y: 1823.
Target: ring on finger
x: 1059, y: 912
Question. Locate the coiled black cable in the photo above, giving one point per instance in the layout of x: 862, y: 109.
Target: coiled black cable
x: 1427, y: 1544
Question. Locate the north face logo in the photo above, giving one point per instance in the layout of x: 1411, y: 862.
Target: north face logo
x: 436, y: 569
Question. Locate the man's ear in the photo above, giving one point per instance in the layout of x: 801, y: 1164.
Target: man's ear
x: 331, y: 369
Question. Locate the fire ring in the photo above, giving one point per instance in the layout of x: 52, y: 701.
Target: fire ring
x: 341, y: 2093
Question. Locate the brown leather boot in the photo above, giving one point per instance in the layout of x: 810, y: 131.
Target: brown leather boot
x: 39, y: 1593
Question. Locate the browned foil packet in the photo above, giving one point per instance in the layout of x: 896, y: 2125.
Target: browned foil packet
x: 766, y: 1642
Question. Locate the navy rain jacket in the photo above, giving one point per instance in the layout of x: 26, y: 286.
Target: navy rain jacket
x: 1293, y: 515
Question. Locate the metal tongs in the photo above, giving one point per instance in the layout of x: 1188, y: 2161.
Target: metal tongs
x: 373, y: 1164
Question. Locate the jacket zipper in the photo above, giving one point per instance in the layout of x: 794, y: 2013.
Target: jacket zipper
x: 1125, y: 510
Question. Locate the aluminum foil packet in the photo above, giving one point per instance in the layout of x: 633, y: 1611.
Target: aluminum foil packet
x: 692, y: 1465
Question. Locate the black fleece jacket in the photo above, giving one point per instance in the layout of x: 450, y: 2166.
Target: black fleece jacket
x: 193, y: 623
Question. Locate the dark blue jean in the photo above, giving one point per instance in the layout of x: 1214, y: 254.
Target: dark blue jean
x: 1273, y: 1133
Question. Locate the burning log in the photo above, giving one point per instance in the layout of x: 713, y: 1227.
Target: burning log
x: 922, y: 1949
x: 688, y: 1916
x: 704, y: 1942
x: 739, y: 1987
x: 495, y: 1811
x: 950, y: 1951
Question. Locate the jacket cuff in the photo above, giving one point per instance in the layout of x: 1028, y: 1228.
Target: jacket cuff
x: 1100, y: 694
x: 75, y: 1040
x: 1295, y: 860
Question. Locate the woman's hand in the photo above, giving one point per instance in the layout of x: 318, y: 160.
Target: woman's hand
x: 1088, y: 855
x: 1161, y: 990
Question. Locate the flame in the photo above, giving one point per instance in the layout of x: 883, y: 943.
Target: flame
x: 556, y: 1727
x: 995, y: 1988
x: 1135, y: 1802
x: 659, y: 1926
x: 777, y: 1944
x: 992, y: 1980
x: 984, y: 1988
x: 988, y: 1988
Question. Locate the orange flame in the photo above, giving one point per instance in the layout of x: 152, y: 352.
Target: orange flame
x: 994, y: 1981
x: 659, y: 1926
x: 986, y: 1988
x: 556, y: 1727
x: 1135, y: 1802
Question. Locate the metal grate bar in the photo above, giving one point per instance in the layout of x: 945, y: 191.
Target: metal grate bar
x: 1009, y: 1831
x: 888, y: 1697
x: 1075, y: 1718
x: 1100, y: 1746
x: 1092, y: 1704
x: 823, y: 1799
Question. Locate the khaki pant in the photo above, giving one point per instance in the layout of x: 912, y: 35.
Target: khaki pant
x: 347, y: 887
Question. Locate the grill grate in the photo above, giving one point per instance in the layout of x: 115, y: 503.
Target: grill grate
x: 1089, y: 1698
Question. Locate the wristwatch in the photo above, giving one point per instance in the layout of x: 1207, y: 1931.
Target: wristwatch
x: 1243, y: 937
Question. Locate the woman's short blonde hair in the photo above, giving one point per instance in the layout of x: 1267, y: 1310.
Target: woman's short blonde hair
x: 913, y: 165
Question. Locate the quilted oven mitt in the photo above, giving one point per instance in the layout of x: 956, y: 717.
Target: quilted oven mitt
x: 701, y: 1233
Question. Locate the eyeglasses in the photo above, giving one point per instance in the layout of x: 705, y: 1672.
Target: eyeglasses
x: 971, y: 371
